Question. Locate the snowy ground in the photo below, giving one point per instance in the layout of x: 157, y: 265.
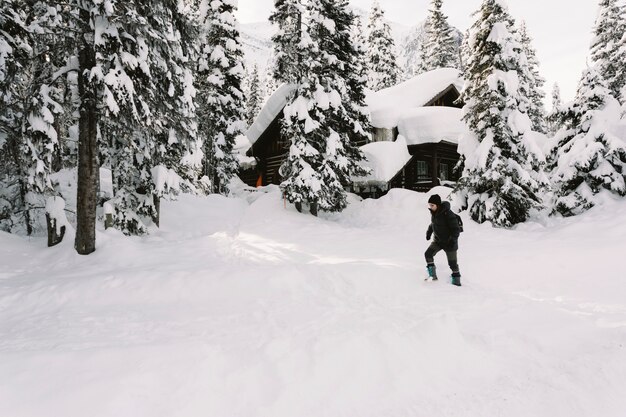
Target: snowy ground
x: 245, y: 309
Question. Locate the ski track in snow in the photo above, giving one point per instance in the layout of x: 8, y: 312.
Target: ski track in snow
x: 238, y: 309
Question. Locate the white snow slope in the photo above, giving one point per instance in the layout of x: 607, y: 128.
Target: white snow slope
x: 242, y: 308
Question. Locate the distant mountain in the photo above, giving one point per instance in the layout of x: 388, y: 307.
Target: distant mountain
x: 256, y: 39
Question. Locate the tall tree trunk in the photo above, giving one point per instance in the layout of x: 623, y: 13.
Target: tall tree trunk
x: 88, y: 169
x: 21, y: 174
x: 157, y: 210
x: 26, y: 206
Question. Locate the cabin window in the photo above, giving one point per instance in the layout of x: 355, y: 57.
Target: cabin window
x: 443, y: 172
x: 422, y: 169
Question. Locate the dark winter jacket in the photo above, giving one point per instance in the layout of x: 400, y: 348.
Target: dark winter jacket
x: 445, y: 227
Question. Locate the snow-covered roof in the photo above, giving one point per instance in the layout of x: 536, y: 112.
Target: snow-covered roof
x: 388, y: 105
x: 272, y: 108
x: 384, y: 159
x: 431, y: 124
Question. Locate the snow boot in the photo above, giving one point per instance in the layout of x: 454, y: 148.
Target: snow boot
x: 432, y: 272
x: 456, y: 279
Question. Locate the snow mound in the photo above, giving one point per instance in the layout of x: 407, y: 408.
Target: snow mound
x: 398, y: 209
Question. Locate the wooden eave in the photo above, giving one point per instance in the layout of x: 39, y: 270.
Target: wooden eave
x: 451, y: 87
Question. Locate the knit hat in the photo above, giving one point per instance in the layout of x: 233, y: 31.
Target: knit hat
x: 435, y: 199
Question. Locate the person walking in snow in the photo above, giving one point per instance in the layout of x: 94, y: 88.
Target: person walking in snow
x: 444, y: 224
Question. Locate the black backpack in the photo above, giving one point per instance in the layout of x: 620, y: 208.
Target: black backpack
x: 459, y: 220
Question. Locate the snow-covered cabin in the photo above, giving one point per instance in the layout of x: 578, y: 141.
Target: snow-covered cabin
x: 423, y: 110
x: 426, y: 113
x: 267, y: 144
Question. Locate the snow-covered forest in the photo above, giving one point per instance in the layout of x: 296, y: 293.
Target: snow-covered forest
x: 145, y: 272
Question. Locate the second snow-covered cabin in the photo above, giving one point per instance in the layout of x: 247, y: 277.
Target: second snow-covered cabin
x: 416, y: 127
x: 425, y: 114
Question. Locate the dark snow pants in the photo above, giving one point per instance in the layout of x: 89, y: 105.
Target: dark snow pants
x: 451, y: 255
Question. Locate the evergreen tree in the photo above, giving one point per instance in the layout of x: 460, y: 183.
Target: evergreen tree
x: 381, y: 54
x: 359, y: 42
x: 222, y: 104
x: 253, y: 102
x: 556, y: 97
x: 179, y: 148
x: 294, y: 51
x: 439, y: 49
x: 499, y: 182
x: 356, y: 80
x: 347, y: 121
x: 28, y: 137
x: 554, y: 118
x: 588, y: 158
x: 269, y: 84
x: 158, y: 155
x: 412, y: 52
x: 465, y: 51
x: 422, y: 65
x: 535, y: 83
x: 608, y: 49
x: 320, y: 120
x: 133, y: 100
x: 15, y: 44
x: 287, y: 57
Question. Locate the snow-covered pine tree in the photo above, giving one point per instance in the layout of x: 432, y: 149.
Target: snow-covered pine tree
x: 253, y: 99
x: 159, y: 155
x: 421, y: 66
x: 221, y: 109
x: 356, y: 80
x: 465, y: 51
x: 294, y: 51
x: 15, y: 44
x: 359, y: 42
x: 114, y: 104
x: 411, y: 52
x: 178, y: 150
x: 269, y: 83
x: 28, y: 137
x: 134, y: 91
x: 343, y: 78
x: 439, y: 49
x: 555, y: 116
x: 324, y: 114
x: 286, y: 62
x: 498, y: 184
x: 67, y: 121
x: 608, y: 48
x: 303, y: 178
x: 131, y: 71
x: 535, y: 83
x: 381, y: 53
x: 588, y: 157
x: 556, y: 97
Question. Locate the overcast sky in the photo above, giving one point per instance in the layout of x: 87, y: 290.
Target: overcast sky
x: 561, y: 29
